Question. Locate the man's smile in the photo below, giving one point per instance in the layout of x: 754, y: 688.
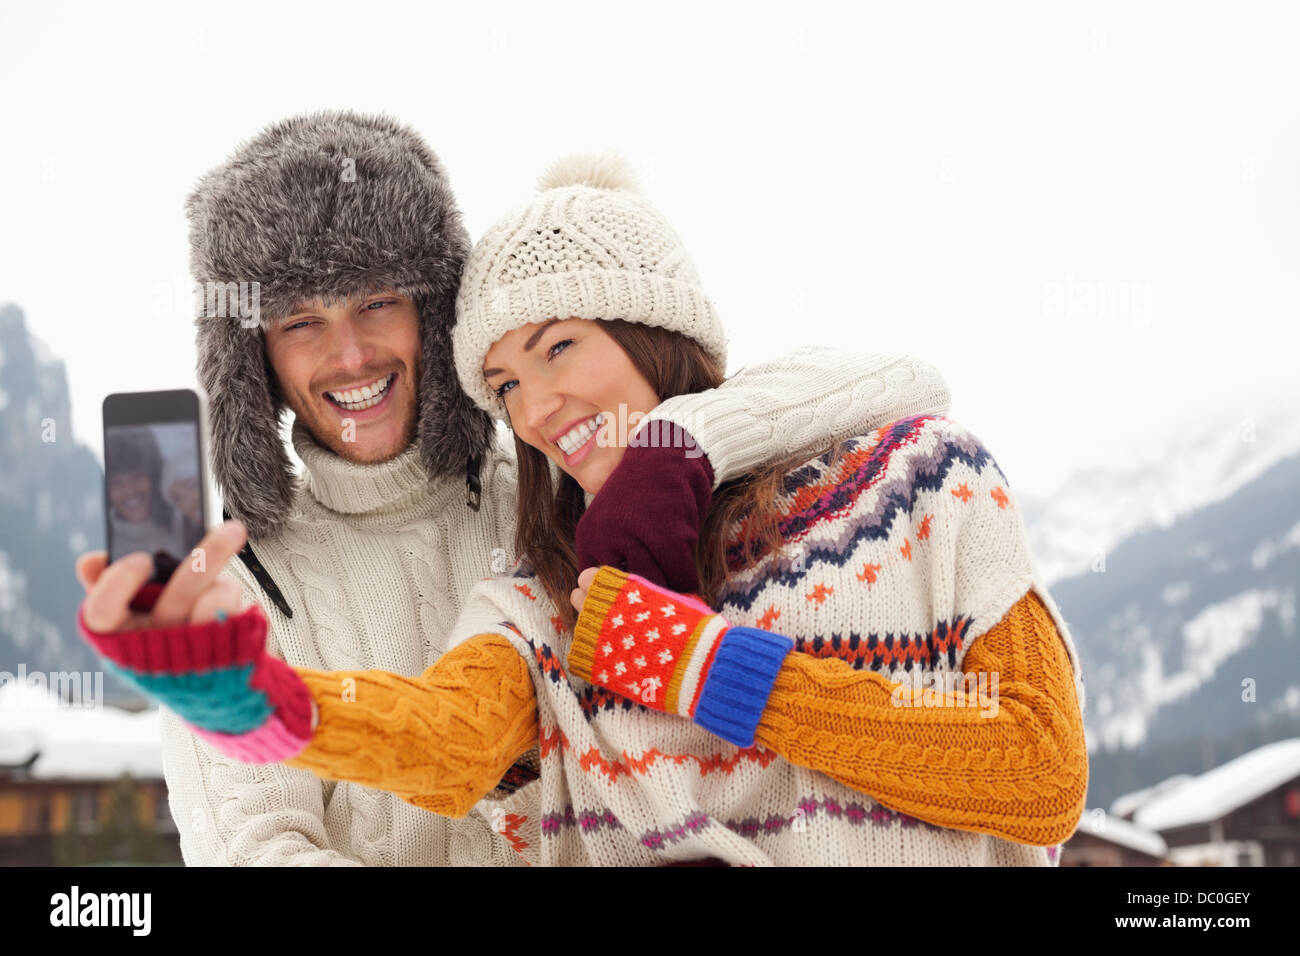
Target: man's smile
x: 362, y: 397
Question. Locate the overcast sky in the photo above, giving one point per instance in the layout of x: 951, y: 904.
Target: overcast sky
x: 1088, y: 219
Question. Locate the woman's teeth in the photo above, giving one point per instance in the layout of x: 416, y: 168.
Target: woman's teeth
x: 356, y: 399
x: 578, y: 437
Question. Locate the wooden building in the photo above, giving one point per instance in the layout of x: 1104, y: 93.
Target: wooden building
x: 1106, y: 840
x: 80, y: 785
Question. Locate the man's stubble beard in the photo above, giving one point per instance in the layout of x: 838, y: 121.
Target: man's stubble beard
x: 347, y: 450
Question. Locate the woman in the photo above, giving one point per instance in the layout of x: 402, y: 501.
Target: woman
x: 892, y: 565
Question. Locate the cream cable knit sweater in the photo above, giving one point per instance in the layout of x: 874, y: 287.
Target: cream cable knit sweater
x: 377, y: 562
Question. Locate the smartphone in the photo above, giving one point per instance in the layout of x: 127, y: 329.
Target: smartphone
x: 155, y: 481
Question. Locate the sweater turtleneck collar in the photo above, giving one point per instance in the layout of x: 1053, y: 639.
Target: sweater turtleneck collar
x: 349, y: 488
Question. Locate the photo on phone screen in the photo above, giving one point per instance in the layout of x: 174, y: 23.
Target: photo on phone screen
x: 155, y: 497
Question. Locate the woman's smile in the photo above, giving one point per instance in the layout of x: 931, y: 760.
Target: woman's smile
x: 576, y: 444
x: 551, y: 374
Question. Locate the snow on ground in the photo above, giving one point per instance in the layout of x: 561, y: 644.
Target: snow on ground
x: 76, y: 742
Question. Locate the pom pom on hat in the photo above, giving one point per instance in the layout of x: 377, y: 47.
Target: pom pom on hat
x: 597, y: 170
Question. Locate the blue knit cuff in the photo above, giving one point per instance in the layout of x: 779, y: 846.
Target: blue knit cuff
x: 740, y: 682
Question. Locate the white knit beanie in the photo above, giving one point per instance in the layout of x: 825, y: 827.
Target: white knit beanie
x: 589, y: 247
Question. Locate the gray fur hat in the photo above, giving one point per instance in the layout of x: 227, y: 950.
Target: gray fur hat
x: 327, y: 205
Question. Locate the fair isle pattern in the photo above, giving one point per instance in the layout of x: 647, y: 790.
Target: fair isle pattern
x: 884, y: 652
x: 872, y: 519
x: 659, y: 839
x: 898, y: 557
x: 855, y: 812
x: 587, y: 820
x: 817, y: 494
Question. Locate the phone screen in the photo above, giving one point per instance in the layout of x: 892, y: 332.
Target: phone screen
x: 154, y: 491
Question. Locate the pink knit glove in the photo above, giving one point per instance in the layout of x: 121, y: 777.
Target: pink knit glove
x: 219, y: 679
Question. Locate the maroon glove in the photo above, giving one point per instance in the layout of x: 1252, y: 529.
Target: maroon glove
x: 647, y: 516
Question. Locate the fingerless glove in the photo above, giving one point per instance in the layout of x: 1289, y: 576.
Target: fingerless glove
x: 673, y: 653
x: 219, y: 679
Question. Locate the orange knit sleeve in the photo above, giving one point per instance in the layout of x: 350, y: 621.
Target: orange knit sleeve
x: 1017, y: 770
x: 440, y: 741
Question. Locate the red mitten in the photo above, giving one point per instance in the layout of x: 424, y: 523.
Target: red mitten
x: 672, y: 653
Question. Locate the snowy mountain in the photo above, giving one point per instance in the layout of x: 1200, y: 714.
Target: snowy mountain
x: 1188, y: 636
x: 1157, y: 481
x: 51, y: 509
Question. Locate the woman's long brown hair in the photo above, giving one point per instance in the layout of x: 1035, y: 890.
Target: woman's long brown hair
x: 548, y: 515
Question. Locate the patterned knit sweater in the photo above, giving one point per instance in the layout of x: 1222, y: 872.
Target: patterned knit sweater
x: 905, y: 567
x: 377, y: 562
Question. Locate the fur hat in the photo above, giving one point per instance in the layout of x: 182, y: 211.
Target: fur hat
x: 589, y: 247
x: 328, y: 205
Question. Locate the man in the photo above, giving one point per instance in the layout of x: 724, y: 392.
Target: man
x: 348, y: 226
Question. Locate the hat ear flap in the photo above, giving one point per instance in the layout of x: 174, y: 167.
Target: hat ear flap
x: 451, y: 429
x: 249, y: 461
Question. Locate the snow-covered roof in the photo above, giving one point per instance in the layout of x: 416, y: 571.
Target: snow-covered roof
x: 1128, y: 803
x: 82, y: 743
x: 1218, y: 792
x: 1113, y: 829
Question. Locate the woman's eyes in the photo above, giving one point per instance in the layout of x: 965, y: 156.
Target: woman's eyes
x: 371, y: 306
x: 551, y: 353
